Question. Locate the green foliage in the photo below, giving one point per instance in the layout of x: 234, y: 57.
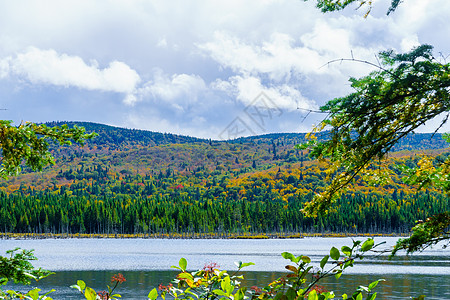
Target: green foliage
x: 90, y: 294
x: 301, y: 282
x: 388, y: 104
x: 29, y: 143
x: 334, y: 5
x: 427, y: 233
x: 407, y: 90
x: 208, y: 283
x: 31, y: 295
x: 18, y: 268
x: 88, y: 213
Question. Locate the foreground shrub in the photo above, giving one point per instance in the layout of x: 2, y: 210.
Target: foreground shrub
x: 301, y: 281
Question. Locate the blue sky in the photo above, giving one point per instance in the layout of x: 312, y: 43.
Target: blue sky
x: 214, y: 69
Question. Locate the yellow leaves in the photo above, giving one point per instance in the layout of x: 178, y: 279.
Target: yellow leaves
x: 318, y: 128
x: 377, y: 175
x: 425, y: 165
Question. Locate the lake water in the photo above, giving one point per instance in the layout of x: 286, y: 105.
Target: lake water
x: 146, y: 263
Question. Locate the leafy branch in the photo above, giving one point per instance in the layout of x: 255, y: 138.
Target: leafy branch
x: 29, y: 143
x: 387, y: 105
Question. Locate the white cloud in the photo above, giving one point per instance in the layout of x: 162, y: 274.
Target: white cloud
x: 277, y: 58
x: 327, y: 41
x: 409, y: 43
x: 246, y: 89
x: 4, y: 68
x: 130, y: 99
x: 281, y: 58
x: 48, y: 67
x: 178, y: 89
x: 162, y: 43
x: 243, y: 47
x: 418, y: 12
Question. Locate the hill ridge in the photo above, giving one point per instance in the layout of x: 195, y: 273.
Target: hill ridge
x: 115, y: 135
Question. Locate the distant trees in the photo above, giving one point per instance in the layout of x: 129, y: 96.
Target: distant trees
x: 100, y: 201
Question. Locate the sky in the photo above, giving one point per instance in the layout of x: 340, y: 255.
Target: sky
x: 211, y: 69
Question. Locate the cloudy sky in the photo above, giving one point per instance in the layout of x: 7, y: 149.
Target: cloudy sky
x: 215, y: 69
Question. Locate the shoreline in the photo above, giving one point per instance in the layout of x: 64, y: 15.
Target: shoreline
x: 39, y: 236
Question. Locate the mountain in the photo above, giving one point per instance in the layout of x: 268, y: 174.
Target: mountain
x: 116, y: 137
x: 136, y: 181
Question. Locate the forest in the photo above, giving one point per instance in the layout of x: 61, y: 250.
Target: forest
x: 131, y: 181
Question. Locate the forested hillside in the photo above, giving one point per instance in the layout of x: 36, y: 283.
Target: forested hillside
x: 134, y: 181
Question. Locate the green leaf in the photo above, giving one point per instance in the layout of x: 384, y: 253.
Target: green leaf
x: 219, y: 292
x: 45, y: 295
x: 372, y: 297
x: 344, y: 297
x: 188, y: 291
x: 313, y: 295
x: 153, y: 294
x: 334, y: 253
x: 306, y: 259
x: 90, y: 294
x: 226, y: 285
x: 30, y: 275
x: 290, y: 256
x: 291, y: 294
x: 367, y: 245
x: 356, y: 243
x: 34, y: 294
x: 338, y: 274
x: 185, y: 275
x: 243, y: 265
x: 348, y: 263
x: 346, y: 250
x: 239, y: 295
x: 278, y: 296
x: 374, y: 284
x: 183, y: 264
x: 81, y: 284
x: 324, y: 261
x: 359, y: 297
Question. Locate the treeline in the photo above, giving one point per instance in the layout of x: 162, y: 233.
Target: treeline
x: 117, y: 138
x: 55, y: 213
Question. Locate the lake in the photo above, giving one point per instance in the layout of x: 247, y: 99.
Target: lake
x: 146, y: 263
